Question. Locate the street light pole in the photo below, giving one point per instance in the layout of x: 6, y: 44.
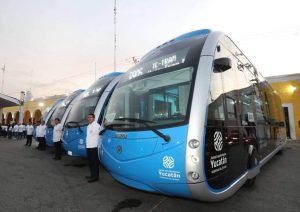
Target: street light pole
x: 115, y: 36
x: 21, y: 110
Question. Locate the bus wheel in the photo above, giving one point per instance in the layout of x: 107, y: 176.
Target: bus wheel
x: 252, y: 162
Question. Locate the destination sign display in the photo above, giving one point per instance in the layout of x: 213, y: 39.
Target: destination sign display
x: 157, y: 64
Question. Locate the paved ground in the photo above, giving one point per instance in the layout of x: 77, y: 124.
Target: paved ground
x: 31, y: 181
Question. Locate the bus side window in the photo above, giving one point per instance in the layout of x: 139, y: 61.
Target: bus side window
x: 231, y: 108
x: 215, y: 108
x: 231, y: 87
x: 259, y: 109
x: 246, y: 97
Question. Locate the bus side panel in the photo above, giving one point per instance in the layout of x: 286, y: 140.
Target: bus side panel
x: 74, y: 141
x: 49, y: 136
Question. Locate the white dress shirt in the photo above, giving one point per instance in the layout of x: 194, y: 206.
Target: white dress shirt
x: 57, y: 132
x: 41, y: 131
x: 21, y: 128
x: 92, y: 135
x: 29, y: 129
x: 16, y: 128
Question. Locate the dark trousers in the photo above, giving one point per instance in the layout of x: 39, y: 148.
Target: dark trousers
x: 29, y: 140
x: 20, y: 134
x: 10, y: 134
x: 57, y: 146
x: 42, y: 143
x: 92, y: 154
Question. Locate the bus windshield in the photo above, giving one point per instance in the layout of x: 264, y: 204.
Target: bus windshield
x: 58, y: 113
x: 86, y: 103
x: 159, y: 100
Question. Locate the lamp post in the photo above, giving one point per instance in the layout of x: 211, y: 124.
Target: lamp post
x: 21, y: 110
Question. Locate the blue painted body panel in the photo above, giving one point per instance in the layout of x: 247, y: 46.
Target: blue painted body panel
x: 74, y: 141
x: 49, y: 137
x: 146, y: 161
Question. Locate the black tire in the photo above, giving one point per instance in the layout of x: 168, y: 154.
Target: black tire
x: 252, y: 162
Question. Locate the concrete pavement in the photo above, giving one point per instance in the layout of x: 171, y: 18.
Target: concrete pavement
x: 31, y: 181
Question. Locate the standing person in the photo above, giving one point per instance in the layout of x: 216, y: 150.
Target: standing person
x: 25, y: 130
x: 37, y: 135
x: 10, y: 131
x: 21, y: 129
x: 29, y: 132
x: 40, y: 135
x: 57, y: 132
x: 92, y: 140
x: 16, y: 130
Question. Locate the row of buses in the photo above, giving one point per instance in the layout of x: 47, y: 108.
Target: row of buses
x: 193, y: 118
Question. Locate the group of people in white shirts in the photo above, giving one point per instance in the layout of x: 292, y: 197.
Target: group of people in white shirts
x: 92, y: 139
x: 19, y: 131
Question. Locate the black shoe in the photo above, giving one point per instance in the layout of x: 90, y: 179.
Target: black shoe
x: 25, y: 145
x: 93, y: 179
x: 88, y: 177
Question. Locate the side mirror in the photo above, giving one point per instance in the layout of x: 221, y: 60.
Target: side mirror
x: 222, y: 64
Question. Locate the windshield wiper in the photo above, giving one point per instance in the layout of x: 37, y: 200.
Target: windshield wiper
x: 112, y: 125
x: 76, y: 123
x: 144, y: 122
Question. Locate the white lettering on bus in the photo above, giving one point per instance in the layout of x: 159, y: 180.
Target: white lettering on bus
x: 170, y: 175
x: 168, y: 61
x: 219, y: 162
x: 135, y: 73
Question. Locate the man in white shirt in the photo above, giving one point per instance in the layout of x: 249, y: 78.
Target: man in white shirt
x: 21, y: 129
x: 57, y: 132
x: 92, y: 141
x: 16, y: 130
x: 40, y: 135
x: 29, y: 132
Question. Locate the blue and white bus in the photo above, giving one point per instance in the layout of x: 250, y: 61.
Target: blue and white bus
x: 92, y: 100
x: 58, y: 112
x: 193, y: 119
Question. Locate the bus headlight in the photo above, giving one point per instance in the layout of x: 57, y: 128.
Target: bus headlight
x: 194, y: 143
x: 195, y: 175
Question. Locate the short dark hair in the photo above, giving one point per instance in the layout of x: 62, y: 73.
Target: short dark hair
x: 92, y: 114
x: 57, y: 119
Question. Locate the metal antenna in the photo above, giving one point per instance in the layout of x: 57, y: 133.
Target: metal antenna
x: 2, y: 86
x: 115, y: 36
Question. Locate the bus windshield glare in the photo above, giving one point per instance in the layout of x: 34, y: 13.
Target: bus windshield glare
x: 86, y: 103
x: 159, y: 100
x: 58, y: 113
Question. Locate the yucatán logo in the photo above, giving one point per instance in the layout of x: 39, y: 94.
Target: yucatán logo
x: 168, y: 162
x: 218, y: 141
